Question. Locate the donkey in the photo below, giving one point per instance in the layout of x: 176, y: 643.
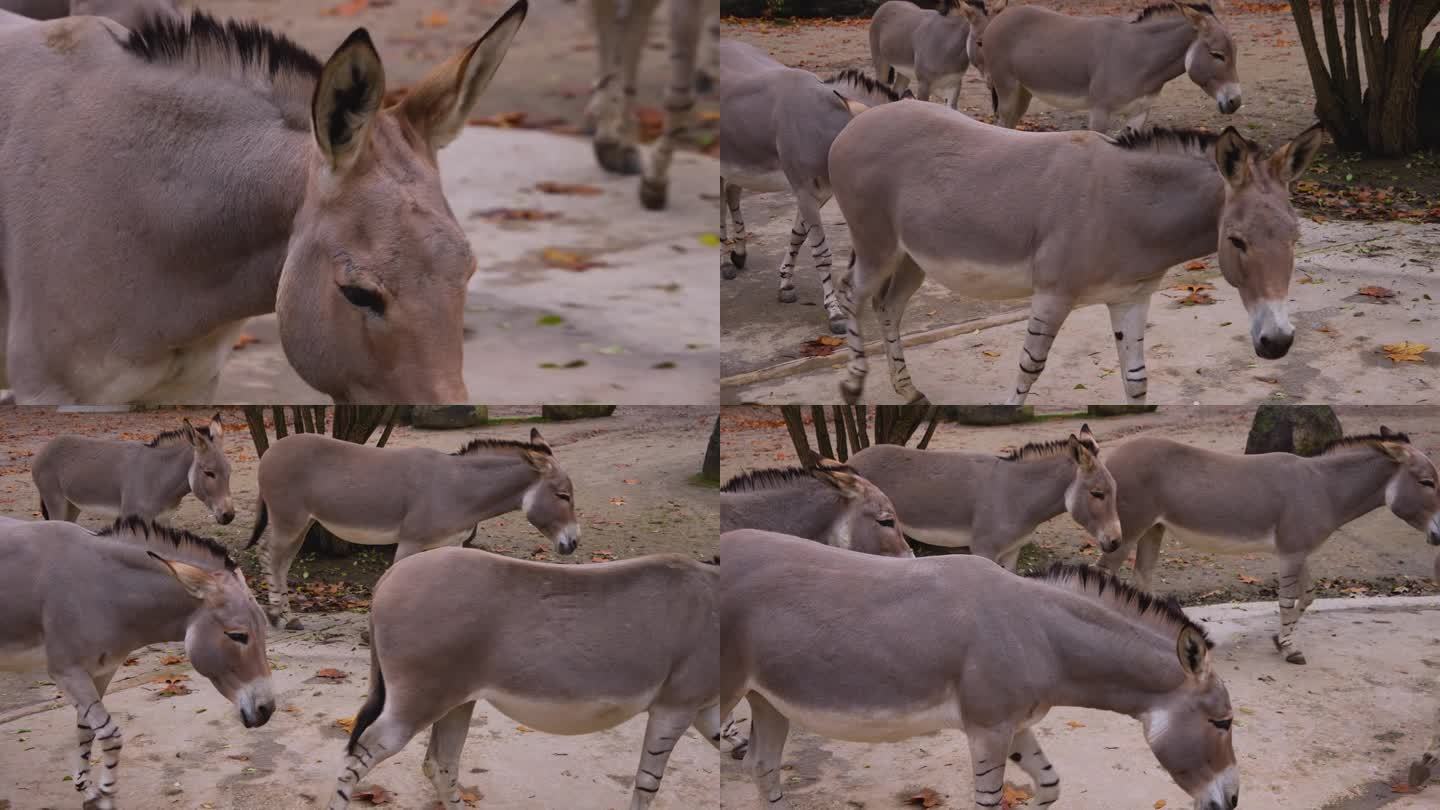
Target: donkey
x: 252, y: 179
x: 415, y: 497
x: 620, y: 638
x: 1276, y: 502
x: 776, y: 126
x: 75, y: 604
x: 906, y: 176
x: 829, y: 503
x: 992, y: 504
x: 130, y: 13
x: 75, y: 474
x: 1422, y: 768
x: 1010, y: 649
x: 931, y: 48
x: 1114, y: 68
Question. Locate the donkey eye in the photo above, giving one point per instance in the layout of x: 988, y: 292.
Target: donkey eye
x: 1223, y: 725
x: 363, y: 297
x: 1218, y: 56
x: 1238, y: 243
x: 209, y: 474
x: 239, y: 638
x: 1428, y: 482
x: 564, y: 496
x: 888, y: 523
x: 1097, y: 495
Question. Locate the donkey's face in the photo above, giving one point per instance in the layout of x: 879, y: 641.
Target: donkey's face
x: 372, y: 295
x: 1090, y: 500
x: 1258, y: 230
x: 867, y: 522
x: 1189, y: 730
x: 210, y: 470
x: 1411, y: 494
x: 1210, y: 61
x: 225, y: 639
x: 979, y: 14
x: 549, y: 503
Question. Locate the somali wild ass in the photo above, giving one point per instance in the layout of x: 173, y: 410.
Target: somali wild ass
x: 1421, y: 769
x: 991, y: 504
x: 76, y: 604
x: 616, y: 639
x: 1277, y: 502
x: 1068, y: 218
x: 933, y: 49
x: 415, y: 497
x: 829, y: 503
x: 776, y: 127
x: 226, y: 173
x: 76, y: 474
x: 1008, y: 650
x: 129, y: 13
x: 1112, y: 67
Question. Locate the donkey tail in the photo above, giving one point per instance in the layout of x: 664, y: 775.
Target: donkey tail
x: 261, y: 522
x: 44, y: 513
x: 375, y: 703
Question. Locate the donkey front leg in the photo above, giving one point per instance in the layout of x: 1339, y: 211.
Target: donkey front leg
x: 733, y: 248
x: 276, y: 555
x: 1048, y: 312
x: 1026, y: 752
x: 685, y: 24
x: 615, y: 148
x: 798, y: 230
x: 809, y: 207
x: 442, y: 755
x: 93, y: 722
x: 768, y: 730
x: 1127, y: 318
x: 989, y: 749
x: 1422, y: 768
x: 1292, y: 576
x: 663, y: 730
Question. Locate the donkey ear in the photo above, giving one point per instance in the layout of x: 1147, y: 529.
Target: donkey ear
x: 1196, y: 17
x: 437, y: 107
x: 994, y: 7
x: 1081, y: 453
x: 217, y: 431
x: 536, y: 438
x: 196, y: 581
x: 347, y: 97
x: 1290, y: 161
x: 1085, y: 433
x: 191, y: 434
x: 1194, y: 651
x: 851, y: 105
x: 1232, y: 155
x: 1386, y: 432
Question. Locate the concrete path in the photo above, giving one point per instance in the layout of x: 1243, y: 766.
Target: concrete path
x: 966, y: 351
x: 641, y: 327
x: 192, y: 752
x: 1332, y: 735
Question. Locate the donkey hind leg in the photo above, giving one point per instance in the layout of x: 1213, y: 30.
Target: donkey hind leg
x: 1292, y: 575
x: 723, y: 733
x: 1127, y: 318
x: 685, y: 24
x: 727, y: 267
x: 382, y: 740
x: 1010, y: 104
x: 1047, y: 314
x: 787, y: 294
x: 820, y: 252
x: 276, y: 555
x: 989, y: 750
x: 768, y: 730
x: 1307, y: 589
x: 889, y: 309
x: 663, y: 729
x: 732, y: 243
x: 1147, y: 556
x: 1025, y: 751
x: 442, y: 755
x: 614, y: 149
x: 93, y: 722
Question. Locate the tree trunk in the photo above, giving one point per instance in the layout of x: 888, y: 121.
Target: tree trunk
x: 710, y: 469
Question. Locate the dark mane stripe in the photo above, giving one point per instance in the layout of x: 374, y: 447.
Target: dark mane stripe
x: 166, y: 40
x: 756, y: 480
x: 1158, y: 9
x: 171, y: 435
x: 496, y: 444
x: 1364, y: 439
x: 1055, y: 447
x: 858, y: 78
x: 1097, y: 582
x: 1164, y: 139
x: 183, y: 541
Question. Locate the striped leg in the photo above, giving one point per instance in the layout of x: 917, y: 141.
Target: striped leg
x: 787, y: 294
x: 383, y: 739
x: 735, y: 248
x: 442, y: 755
x: 93, y: 724
x: 1026, y: 752
x: 685, y: 25
x: 663, y: 730
x: 889, y: 308
x: 1292, y: 575
x: 1307, y: 589
x: 820, y: 252
x: 768, y: 730
x: 727, y: 268
x: 1127, y: 318
x: 1047, y: 314
x: 988, y: 749
x: 276, y: 555
x: 1147, y: 556
x: 1422, y: 768
x: 725, y: 736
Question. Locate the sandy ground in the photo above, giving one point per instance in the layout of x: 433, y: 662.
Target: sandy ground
x: 1333, y: 735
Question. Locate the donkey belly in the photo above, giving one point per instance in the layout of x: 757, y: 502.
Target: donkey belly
x: 186, y: 373
x: 362, y: 535
x: 1222, y: 542
x: 23, y: 659
x: 977, y: 279
x: 872, y: 723
x: 754, y: 179
x: 552, y: 717
x: 1061, y: 101
x: 944, y: 536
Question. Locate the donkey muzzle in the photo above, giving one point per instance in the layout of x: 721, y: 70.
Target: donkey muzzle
x: 225, y: 518
x: 1270, y: 330
x: 568, y: 540
x: 1228, y: 99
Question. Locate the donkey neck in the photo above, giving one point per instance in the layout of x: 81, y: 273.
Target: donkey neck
x: 492, y: 483
x: 1174, y: 205
x: 1158, y: 46
x: 804, y: 509
x: 170, y: 468
x: 1035, y: 488
x: 147, y: 603
x: 1353, y: 480
x: 1106, y: 659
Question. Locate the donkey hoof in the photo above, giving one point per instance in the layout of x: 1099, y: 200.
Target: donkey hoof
x: 727, y: 271
x: 705, y: 83
x: 738, y: 752
x: 838, y: 325
x: 1419, y: 774
x: 737, y: 259
x: 850, y: 392
x: 617, y: 157
x: 294, y: 624
x: 653, y: 194
x: 1295, y: 657
x: 788, y: 296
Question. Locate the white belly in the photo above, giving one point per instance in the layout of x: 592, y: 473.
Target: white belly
x: 567, y: 718
x: 362, y: 535
x: 873, y: 725
x: 945, y: 85
x: 946, y: 537
x: 974, y: 279
x: 186, y: 374
x: 23, y: 659
x: 1070, y: 103
x: 1221, y: 543
x: 754, y: 181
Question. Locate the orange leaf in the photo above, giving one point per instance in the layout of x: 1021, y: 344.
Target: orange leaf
x: 330, y: 673
x: 244, y: 340
x: 926, y: 798
x: 1012, y: 796
x: 632, y: 481
x: 375, y: 795
x: 1195, y: 266
x: 1075, y: 724
x: 435, y: 19
x: 1249, y: 580
x: 470, y: 796
x: 1377, y: 292
x: 551, y: 187
x: 513, y: 215
x: 347, y: 723
x: 171, y: 660
x: 568, y: 260
x: 349, y: 8
x: 1405, y: 352
x: 1159, y: 804
x: 1402, y: 788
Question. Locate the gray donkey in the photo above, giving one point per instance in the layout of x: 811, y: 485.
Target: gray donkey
x: 1068, y: 218
x: 1422, y: 768
x: 1275, y: 502
x: 1111, y: 67
x: 829, y: 503
x: 76, y: 604
x: 1007, y: 651
x: 415, y: 497
x: 776, y: 127
x: 76, y: 474
x: 616, y: 639
x: 931, y: 48
x: 225, y: 173
x: 129, y: 13
x: 992, y: 504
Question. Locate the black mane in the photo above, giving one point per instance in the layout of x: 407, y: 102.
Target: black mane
x: 1053, y: 447
x: 1165, y: 139
x: 182, y: 541
x: 477, y: 444
x: 1371, y: 439
x: 756, y: 480
x: 176, y: 434
x: 860, y: 78
x: 172, y: 40
x: 1157, y: 9
x: 1097, y: 581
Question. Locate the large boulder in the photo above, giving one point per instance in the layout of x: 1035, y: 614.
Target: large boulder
x: 448, y: 417
x: 989, y: 414
x: 561, y: 413
x: 1304, y: 430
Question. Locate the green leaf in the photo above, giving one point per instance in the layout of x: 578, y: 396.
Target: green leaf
x: 709, y: 240
x: 549, y: 320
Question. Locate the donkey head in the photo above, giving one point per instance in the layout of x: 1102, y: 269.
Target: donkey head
x: 1188, y: 729
x: 210, y: 470
x: 1090, y: 500
x: 225, y: 639
x: 979, y: 13
x: 867, y: 521
x: 372, y: 294
x: 1410, y: 494
x: 1210, y: 61
x: 1258, y: 230
x: 549, y: 503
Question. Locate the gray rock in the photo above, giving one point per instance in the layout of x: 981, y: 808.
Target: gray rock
x: 560, y: 413
x: 448, y: 417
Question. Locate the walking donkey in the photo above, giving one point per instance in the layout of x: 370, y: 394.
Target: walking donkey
x: 1276, y: 502
x: 776, y: 126
x: 225, y: 173
x: 991, y: 504
x: 414, y: 497
x: 75, y: 474
x: 76, y: 604
x: 1114, y: 68
x: 622, y: 28
x: 931, y: 48
x: 1068, y: 218
x: 1009, y: 650
x: 829, y: 503
x: 617, y: 639
x: 129, y: 13
x: 1422, y: 768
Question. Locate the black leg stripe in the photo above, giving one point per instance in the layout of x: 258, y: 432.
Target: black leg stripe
x: 992, y: 770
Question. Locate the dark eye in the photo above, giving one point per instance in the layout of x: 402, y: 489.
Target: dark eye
x: 1223, y: 725
x: 363, y: 297
x: 888, y: 523
x: 209, y: 474
x: 1238, y: 243
x: 1097, y: 495
x: 1428, y: 482
x: 564, y: 496
x: 239, y: 638
x: 1220, y: 57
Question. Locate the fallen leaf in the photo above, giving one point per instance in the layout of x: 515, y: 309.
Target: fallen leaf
x: 330, y: 673
x: 130, y: 662
x: 1159, y: 804
x: 568, y: 260
x: 523, y: 729
x: 926, y: 798
x: 1012, y: 796
x: 514, y: 215
x: 173, y: 686
x: 990, y: 354
x: 580, y: 189
x: 505, y: 120
x: 821, y: 346
x: 171, y: 660
x: 1405, y: 352
x: 709, y: 240
x: 1197, y: 265
x: 1248, y: 580
x: 348, y: 9
x: 1075, y: 724
x: 1377, y: 292
x: 435, y: 19
x: 617, y: 501
x: 347, y: 723
x: 1402, y: 787
x: 631, y: 481
x: 244, y: 340
x: 829, y: 340
x: 374, y: 795
x: 470, y: 796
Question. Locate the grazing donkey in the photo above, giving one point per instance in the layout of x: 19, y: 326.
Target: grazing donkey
x: 233, y: 175
x: 129, y: 13
x: 1068, y: 218
x: 76, y: 474
x: 931, y: 48
x: 1276, y: 502
x: 1113, y: 68
x: 992, y: 504
x: 618, y: 639
x: 415, y: 497
x: 76, y: 604
x: 776, y: 126
x: 829, y: 503
x: 1009, y: 649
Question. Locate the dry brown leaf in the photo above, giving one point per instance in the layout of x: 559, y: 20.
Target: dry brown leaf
x: 1012, y: 796
x: 348, y: 9
x: 1196, y: 265
x: 347, y: 723
x: 505, y: 120
x: 1405, y: 352
x: 514, y: 215
x: 579, y: 189
x: 435, y: 19
x: 926, y: 798
x: 1075, y: 724
x: 1159, y: 804
x: 244, y: 340
x: 990, y: 354
x: 568, y: 260
x: 617, y: 501
x: 830, y: 340
x: 1194, y: 287
x: 173, y: 686
x: 1377, y: 292
x: 631, y: 481
x: 374, y: 795
x: 1248, y: 580
x: 471, y: 796
x: 1402, y: 787
x: 171, y: 660
x: 332, y: 674
x: 130, y: 662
